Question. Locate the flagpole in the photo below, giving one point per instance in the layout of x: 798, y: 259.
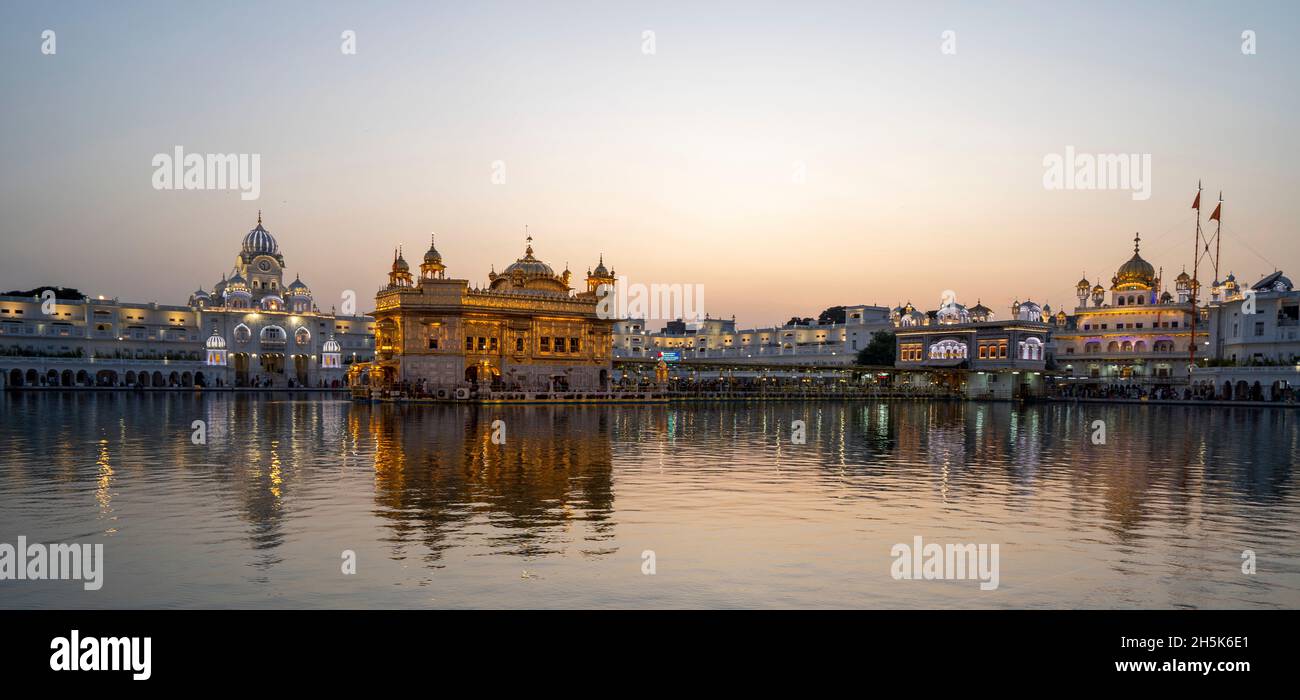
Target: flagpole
x: 1196, y: 281
x: 1218, y: 221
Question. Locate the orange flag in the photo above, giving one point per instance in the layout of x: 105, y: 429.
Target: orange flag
x: 1215, y: 215
x: 1196, y: 204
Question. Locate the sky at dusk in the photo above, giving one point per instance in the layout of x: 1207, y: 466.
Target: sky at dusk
x: 787, y: 156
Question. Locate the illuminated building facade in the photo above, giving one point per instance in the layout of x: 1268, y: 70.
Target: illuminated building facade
x: 259, y: 331
x: 1143, y: 335
x: 250, y: 329
x: 1255, y: 336
x: 970, y: 351
x: 526, y: 331
x: 825, y: 344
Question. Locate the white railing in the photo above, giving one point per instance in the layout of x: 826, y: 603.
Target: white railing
x: 1251, y: 369
x: 106, y: 361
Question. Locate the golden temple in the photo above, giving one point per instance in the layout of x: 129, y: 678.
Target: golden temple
x: 527, y: 331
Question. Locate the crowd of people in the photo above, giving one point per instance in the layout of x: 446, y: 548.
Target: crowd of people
x: 1163, y: 393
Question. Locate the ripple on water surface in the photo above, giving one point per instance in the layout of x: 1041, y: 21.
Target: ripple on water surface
x: 736, y: 510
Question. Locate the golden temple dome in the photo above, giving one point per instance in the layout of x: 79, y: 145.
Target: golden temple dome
x: 529, y: 265
x: 1136, y: 272
x: 529, y: 274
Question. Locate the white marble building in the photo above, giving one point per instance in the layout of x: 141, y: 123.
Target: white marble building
x: 249, y: 329
x: 1254, y: 337
x: 718, y: 339
x: 1142, y: 334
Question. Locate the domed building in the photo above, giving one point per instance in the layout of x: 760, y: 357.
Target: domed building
x: 907, y: 316
x: 1228, y: 290
x: 1256, y: 332
x: 200, y: 298
x: 526, y: 332
x: 272, y: 334
x: 237, y: 295
x: 1142, y: 336
x: 432, y: 267
x: 216, y: 349
x: 1028, y: 311
x: 530, y: 274
x: 952, y: 313
x: 599, y: 277
x: 1135, y: 282
x: 966, y: 350
x: 298, y: 296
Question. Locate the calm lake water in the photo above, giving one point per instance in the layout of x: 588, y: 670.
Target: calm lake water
x: 736, y: 514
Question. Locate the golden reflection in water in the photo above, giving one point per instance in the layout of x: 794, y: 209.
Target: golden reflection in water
x: 438, y: 472
x: 1168, y: 489
x: 276, y: 480
x: 104, y: 484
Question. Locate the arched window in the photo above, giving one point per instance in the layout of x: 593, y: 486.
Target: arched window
x: 302, y: 336
x: 273, y: 334
x: 948, y: 350
x: 1031, y: 349
x: 1112, y: 346
x: 243, y: 334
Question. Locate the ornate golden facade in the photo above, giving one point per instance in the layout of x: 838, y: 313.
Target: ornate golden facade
x: 526, y: 332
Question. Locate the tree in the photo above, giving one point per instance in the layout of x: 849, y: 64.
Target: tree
x: 880, y: 351
x: 835, y: 314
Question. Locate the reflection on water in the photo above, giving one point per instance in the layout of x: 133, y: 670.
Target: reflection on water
x: 737, y: 511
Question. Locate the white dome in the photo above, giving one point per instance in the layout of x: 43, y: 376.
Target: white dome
x: 259, y: 241
x: 331, y: 345
x: 297, y: 288
x: 951, y: 313
x: 215, y: 342
x: 1029, y: 311
x: 915, y: 318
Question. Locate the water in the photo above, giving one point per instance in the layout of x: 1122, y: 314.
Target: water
x: 734, y: 512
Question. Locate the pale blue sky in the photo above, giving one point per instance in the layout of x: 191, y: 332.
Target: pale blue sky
x: 924, y: 170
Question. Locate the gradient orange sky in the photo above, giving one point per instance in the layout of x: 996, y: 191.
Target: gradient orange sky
x: 924, y: 171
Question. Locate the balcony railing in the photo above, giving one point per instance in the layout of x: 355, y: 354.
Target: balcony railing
x: 1250, y: 369
x: 104, y: 361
